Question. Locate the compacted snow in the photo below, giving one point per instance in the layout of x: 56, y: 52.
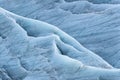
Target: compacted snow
x: 80, y: 40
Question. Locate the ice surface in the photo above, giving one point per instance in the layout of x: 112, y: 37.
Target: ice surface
x: 95, y: 26
x: 35, y: 50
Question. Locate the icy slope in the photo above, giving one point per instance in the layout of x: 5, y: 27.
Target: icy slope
x: 96, y: 26
x: 35, y: 50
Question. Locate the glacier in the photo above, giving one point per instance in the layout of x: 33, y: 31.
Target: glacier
x: 59, y: 40
x: 95, y: 26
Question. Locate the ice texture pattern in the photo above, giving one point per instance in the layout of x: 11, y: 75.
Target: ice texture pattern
x: 59, y: 40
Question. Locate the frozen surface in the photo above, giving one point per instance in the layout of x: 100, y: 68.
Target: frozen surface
x: 93, y: 23
x: 35, y: 50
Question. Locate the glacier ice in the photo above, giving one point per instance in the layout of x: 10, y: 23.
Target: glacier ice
x: 95, y: 26
x: 36, y: 50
